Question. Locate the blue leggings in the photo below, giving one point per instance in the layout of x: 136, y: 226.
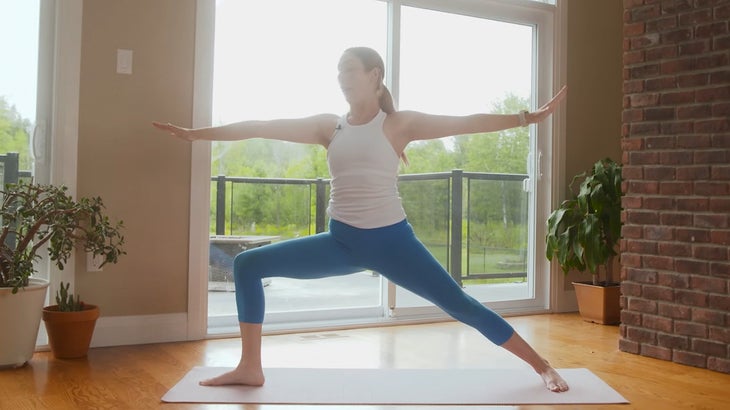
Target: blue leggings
x: 393, y: 251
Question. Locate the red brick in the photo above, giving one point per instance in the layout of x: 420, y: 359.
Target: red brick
x: 676, y: 219
x: 690, y: 329
x: 675, y: 158
x: 710, y: 157
x: 630, y: 260
x: 657, y: 352
x: 631, y: 232
x: 710, y: 252
x: 693, y: 204
x: 694, y: 141
x: 721, y: 109
x: 659, y: 203
x: 657, y: 293
x: 719, y: 172
x: 694, y: 17
x: 691, y: 266
x: 719, y: 77
x: 708, y: 284
x: 721, y: 43
x: 640, y: 275
x: 720, y: 269
x: 657, y: 262
x: 632, y: 115
x: 708, y: 316
x: 677, y: 127
x: 661, y: 142
x: 712, y: 94
x: 718, y: 364
x: 676, y: 98
x: 640, y: 72
x: 694, y: 111
x: 710, y: 30
x: 675, y: 7
x: 720, y: 205
x: 642, y: 217
x: 629, y: 289
x: 675, y: 311
x: 720, y: 141
x: 689, y: 358
x: 710, y: 221
x: 644, y: 128
x: 643, y: 187
x: 691, y: 298
x: 693, y: 172
x: 647, y: 12
x: 720, y: 237
x: 630, y: 318
x: 659, y: 173
x: 659, y: 323
x: 714, y: 125
x: 673, y: 341
x: 720, y: 302
x: 676, y: 249
x: 694, y: 48
x: 720, y: 334
x: 641, y: 335
x: 628, y: 346
x: 711, y: 61
x: 709, y: 348
x: 675, y: 188
x: 642, y: 247
x: 659, y: 233
x: 662, y: 84
x: 676, y: 36
x: 713, y: 188
x: 692, y: 235
x: 633, y: 144
x: 693, y: 80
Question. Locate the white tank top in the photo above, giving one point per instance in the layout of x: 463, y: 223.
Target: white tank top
x: 364, y: 170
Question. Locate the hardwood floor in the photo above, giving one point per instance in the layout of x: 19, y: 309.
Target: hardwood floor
x: 136, y: 377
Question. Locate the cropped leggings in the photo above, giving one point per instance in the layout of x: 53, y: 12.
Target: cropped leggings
x: 393, y: 251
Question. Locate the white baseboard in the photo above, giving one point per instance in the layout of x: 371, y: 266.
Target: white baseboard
x: 133, y: 330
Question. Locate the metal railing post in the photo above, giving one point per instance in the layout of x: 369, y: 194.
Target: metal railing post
x: 320, y: 206
x: 220, y: 205
x: 457, y: 183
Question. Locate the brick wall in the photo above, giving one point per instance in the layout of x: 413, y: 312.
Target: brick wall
x: 675, y: 252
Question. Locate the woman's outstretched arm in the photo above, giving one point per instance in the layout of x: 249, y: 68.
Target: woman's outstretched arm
x: 412, y: 125
x: 317, y: 129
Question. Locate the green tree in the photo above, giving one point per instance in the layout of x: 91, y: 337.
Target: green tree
x: 14, y: 133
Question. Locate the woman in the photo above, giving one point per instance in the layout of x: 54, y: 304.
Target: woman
x: 368, y: 227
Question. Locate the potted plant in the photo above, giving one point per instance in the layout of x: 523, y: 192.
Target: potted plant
x: 70, y: 324
x: 583, y: 234
x: 36, y: 217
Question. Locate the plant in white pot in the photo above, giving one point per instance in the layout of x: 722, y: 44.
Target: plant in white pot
x: 583, y: 234
x: 36, y: 217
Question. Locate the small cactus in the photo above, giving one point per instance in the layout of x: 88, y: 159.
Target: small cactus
x: 66, y: 302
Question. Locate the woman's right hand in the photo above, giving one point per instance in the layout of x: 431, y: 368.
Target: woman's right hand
x: 180, y: 132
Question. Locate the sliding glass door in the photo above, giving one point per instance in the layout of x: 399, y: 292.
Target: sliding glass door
x: 472, y: 199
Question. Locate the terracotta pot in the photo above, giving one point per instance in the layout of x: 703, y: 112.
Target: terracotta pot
x: 599, y: 304
x: 69, y: 333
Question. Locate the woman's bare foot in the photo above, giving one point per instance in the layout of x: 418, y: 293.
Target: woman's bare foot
x: 553, y: 381
x: 239, y: 375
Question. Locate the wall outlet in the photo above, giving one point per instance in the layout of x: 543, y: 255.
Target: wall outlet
x: 93, y: 263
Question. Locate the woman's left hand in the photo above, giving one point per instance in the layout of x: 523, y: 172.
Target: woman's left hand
x: 547, y: 109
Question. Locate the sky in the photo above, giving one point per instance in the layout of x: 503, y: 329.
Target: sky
x: 19, y: 44
x: 450, y: 64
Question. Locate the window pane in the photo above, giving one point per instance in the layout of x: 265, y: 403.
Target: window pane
x: 278, y: 59
x: 471, y: 65
x: 18, y: 76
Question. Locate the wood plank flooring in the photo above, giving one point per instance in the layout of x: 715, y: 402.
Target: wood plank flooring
x: 136, y: 377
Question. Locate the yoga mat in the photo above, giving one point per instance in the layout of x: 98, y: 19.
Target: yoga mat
x: 396, y: 386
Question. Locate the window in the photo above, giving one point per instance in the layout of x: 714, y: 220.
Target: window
x: 442, y: 58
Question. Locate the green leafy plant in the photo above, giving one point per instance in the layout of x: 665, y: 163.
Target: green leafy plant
x: 584, y: 231
x: 34, y: 215
x: 66, y: 302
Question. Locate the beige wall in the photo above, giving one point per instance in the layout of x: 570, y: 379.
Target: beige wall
x: 144, y: 178
x: 594, y: 105
x: 142, y: 175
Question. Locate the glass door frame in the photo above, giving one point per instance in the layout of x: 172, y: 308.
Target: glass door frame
x: 549, y: 46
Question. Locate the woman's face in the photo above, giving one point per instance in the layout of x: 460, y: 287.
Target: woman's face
x: 355, y: 82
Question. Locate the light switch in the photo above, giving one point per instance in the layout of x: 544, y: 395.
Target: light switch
x: 124, y: 61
